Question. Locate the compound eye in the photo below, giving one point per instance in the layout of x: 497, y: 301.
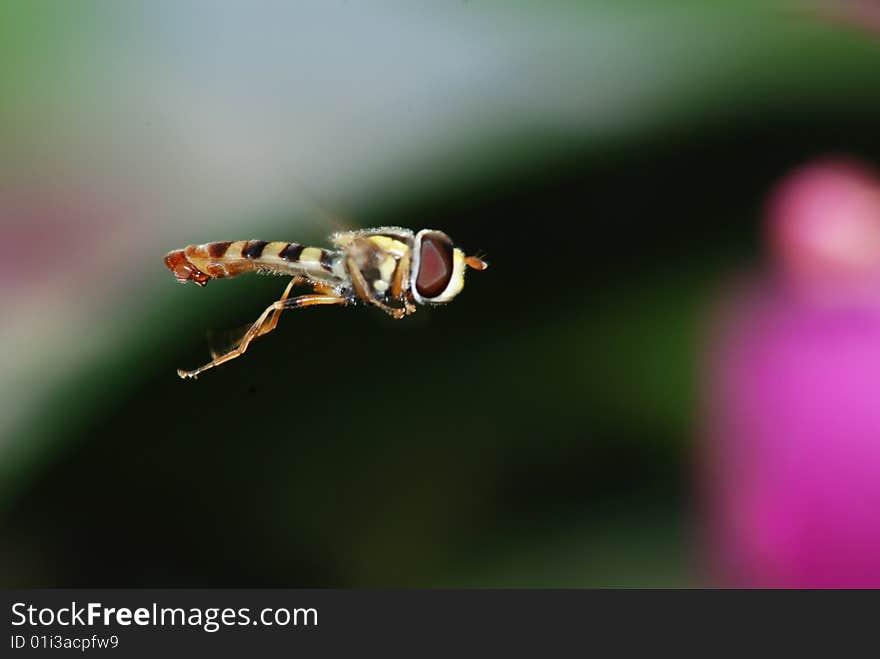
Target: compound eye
x: 435, y: 266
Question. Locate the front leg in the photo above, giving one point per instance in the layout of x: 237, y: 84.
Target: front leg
x: 365, y: 293
x: 399, y: 290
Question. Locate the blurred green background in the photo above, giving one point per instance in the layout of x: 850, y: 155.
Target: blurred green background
x: 610, y: 158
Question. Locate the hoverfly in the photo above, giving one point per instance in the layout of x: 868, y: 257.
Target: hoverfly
x: 390, y: 268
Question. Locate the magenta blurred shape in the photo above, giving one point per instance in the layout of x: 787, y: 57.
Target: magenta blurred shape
x: 793, y: 427
x: 824, y: 226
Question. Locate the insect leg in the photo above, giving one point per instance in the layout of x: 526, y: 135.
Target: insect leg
x: 322, y: 289
x: 255, y: 330
x: 363, y: 291
x: 272, y: 321
x: 325, y: 289
x: 397, y: 285
x: 265, y: 328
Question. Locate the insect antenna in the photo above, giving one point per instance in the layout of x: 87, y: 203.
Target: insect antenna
x: 477, y: 261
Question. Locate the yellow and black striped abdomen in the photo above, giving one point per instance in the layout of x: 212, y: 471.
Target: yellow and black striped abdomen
x: 218, y: 260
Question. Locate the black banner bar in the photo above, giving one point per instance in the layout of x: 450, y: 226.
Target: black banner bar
x: 135, y: 623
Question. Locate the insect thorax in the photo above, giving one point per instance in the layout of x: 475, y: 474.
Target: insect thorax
x: 382, y: 258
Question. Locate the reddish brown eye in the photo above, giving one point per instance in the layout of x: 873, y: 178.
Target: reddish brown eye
x: 435, y: 266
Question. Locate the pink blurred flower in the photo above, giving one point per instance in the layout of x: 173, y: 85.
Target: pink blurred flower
x: 793, y: 426
x: 824, y: 229
x: 864, y: 14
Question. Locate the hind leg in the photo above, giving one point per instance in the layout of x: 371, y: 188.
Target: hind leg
x: 265, y: 324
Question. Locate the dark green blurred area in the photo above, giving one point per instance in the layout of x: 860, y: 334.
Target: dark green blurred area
x: 536, y: 432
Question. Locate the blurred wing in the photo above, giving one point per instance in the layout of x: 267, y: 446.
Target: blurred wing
x: 315, y: 204
x: 222, y: 341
